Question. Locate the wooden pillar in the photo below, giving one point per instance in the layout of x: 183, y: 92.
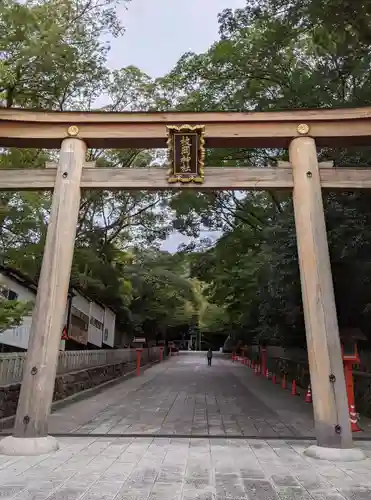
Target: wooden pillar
x: 47, y: 321
x: 325, y: 360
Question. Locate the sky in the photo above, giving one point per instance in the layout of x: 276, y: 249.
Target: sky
x: 158, y: 33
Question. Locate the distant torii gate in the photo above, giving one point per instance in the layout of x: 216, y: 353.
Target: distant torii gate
x: 299, y: 131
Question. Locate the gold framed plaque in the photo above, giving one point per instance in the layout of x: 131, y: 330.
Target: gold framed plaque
x: 186, y: 153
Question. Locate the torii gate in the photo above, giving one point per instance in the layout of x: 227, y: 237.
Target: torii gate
x: 73, y: 132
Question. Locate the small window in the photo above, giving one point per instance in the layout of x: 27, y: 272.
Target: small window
x: 12, y: 295
x: 97, y: 324
x: 8, y: 294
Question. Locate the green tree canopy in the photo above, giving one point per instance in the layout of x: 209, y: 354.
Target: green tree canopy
x: 271, y: 55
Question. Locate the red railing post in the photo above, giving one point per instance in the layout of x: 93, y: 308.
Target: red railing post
x: 348, y: 372
x: 139, y: 353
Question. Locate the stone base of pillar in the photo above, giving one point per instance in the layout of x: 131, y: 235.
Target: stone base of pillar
x: 17, y: 446
x: 335, y: 454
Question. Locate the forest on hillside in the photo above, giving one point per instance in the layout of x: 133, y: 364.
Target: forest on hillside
x: 271, y: 55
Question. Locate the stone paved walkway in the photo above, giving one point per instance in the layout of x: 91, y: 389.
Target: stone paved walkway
x: 90, y: 468
x: 183, y: 397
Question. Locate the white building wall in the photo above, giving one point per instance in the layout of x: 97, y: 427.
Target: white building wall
x: 80, y: 307
x: 109, y: 327
x: 23, y: 292
x: 81, y: 303
x: 20, y: 335
x: 100, y: 319
x: 96, y: 322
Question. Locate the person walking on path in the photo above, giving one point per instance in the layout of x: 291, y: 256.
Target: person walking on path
x: 209, y: 356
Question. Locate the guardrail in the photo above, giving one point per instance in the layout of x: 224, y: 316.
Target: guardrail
x: 298, y: 370
x: 11, y: 365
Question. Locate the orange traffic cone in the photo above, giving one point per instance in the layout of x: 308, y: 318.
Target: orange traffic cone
x: 284, y: 381
x: 274, y: 378
x: 308, y: 396
x: 293, y: 388
x: 353, y: 419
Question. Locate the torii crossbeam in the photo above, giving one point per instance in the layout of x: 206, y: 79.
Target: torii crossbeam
x: 299, y: 131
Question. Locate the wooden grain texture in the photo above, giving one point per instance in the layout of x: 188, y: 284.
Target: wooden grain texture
x: 148, y: 130
x: 215, y: 178
x: 321, y: 164
x: 301, y: 115
x: 52, y: 164
x: 155, y: 179
x: 47, y: 321
x: 329, y: 399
